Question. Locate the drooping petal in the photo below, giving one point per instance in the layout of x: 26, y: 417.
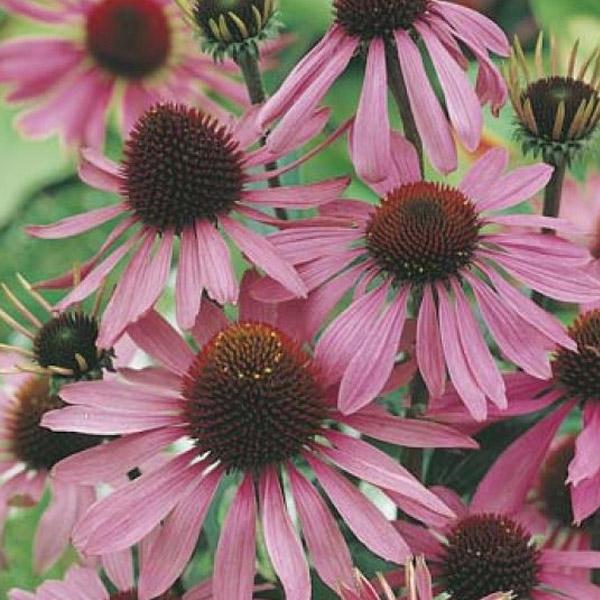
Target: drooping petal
x: 371, y: 134
x: 325, y: 542
x: 429, y: 117
x: 236, y: 549
x: 283, y: 545
x: 189, y: 283
x: 484, y: 173
x: 586, y: 462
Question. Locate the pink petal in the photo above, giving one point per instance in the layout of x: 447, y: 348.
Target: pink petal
x: 106, y: 462
x: 570, y: 586
x: 369, y: 369
x: 100, y: 172
x: 252, y: 309
x: 189, y: 283
x: 570, y: 558
x: 460, y: 373
x: 337, y: 346
x: 430, y: 354
x: 210, y: 321
x: 463, y: 105
x: 264, y: 255
x: 119, y: 568
x: 140, y: 287
x: 171, y: 550
x: 283, y: 545
x: 505, y: 486
x: 367, y: 523
x: 371, y: 154
x: 326, y: 544
x: 130, y: 512
x: 585, y: 498
x: 216, y: 269
x: 307, y: 195
x: 516, y: 187
x: 377, y: 423
x: 77, y: 224
x: 429, y: 118
x: 484, y: 173
x: 236, y: 549
x: 370, y: 464
x: 154, y: 335
x: 586, y: 462
x: 36, y: 11
x: 479, y: 358
x: 98, y: 421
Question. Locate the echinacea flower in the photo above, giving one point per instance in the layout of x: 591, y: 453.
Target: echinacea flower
x: 489, y: 546
x: 557, y: 114
x: 574, y: 382
x: 82, y: 583
x: 442, y: 243
x: 185, y: 175
x: 387, y: 30
x: 253, y: 404
x: 105, y: 53
x: 63, y: 349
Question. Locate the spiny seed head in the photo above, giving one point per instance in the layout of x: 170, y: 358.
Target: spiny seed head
x: 488, y: 553
x: 554, y: 493
x: 234, y: 27
x: 253, y: 397
x: 423, y: 232
x: 368, y: 19
x: 181, y: 166
x: 67, y: 339
x: 557, y: 114
x: 129, y: 38
x: 36, y: 446
x: 579, y: 372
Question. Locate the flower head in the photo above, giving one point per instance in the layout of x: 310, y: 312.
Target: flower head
x: 104, y: 54
x: 437, y: 243
x: 184, y: 175
x: 234, y: 27
x: 557, y: 114
x: 386, y: 31
x: 253, y: 403
x: 489, y: 547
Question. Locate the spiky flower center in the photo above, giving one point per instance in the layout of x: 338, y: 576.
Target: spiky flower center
x: 488, y: 553
x: 36, y: 446
x: 69, y: 342
x: 553, y: 490
x: 368, y: 19
x: 180, y: 166
x: 231, y: 21
x: 547, y: 95
x: 253, y: 397
x: 579, y: 372
x: 130, y: 38
x: 423, y: 232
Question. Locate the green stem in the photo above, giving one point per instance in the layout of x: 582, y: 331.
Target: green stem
x: 552, y: 198
x: 250, y: 69
x: 397, y: 86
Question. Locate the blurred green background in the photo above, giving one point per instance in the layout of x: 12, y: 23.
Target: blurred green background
x: 38, y: 185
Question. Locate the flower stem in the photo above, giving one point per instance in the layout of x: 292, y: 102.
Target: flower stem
x: 552, y: 198
x: 397, y: 86
x: 596, y: 544
x: 250, y: 69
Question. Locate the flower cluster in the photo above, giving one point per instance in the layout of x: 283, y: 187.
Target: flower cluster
x: 258, y: 379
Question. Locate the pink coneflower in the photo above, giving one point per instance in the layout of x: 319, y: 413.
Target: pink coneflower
x: 185, y: 175
x: 28, y: 452
x: 488, y: 547
x: 386, y: 30
x: 574, y: 382
x: 85, y: 584
x: 439, y: 242
x: 101, y: 53
x: 253, y: 403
